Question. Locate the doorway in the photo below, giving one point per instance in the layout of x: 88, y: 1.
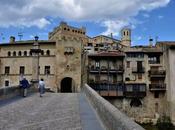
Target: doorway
x: 66, y: 85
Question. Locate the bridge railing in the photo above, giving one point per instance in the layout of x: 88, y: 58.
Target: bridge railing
x: 111, y: 117
x: 12, y: 91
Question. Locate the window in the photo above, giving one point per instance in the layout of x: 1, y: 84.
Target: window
x: 39, y: 68
x: 139, y: 76
x: 14, y: 53
x: 96, y: 49
x: 25, y: 53
x: 7, y: 70
x: 153, y: 59
x: 97, y: 78
x: 19, y: 53
x: 128, y: 64
x: 156, y: 95
x: 30, y: 53
x: 90, y: 44
x: 135, y: 55
x: 97, y: 64
x: 156, y: 107
x: 142, y: 88
x: 9, y: 53
x: 47, y: 70
x: 135, y: 102
x: 6, y: 83
x: 22, y: 70
x: 129, y: 88
x: 48, y: 52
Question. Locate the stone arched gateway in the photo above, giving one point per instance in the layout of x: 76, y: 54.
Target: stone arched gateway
x: 67, y: 85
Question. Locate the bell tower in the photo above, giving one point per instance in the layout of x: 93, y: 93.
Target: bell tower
x: 126, y: 37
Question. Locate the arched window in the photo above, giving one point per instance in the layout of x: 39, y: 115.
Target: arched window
x: 127, y: 33
x: 14, y: 53
x: 9, y: 53
x: 48, y: 52
x: 25, y: 53
x: 124, y: 33
x: 19, y: 53
x: 42, y: 52
x: 135, y: 102
x: 30, y: 53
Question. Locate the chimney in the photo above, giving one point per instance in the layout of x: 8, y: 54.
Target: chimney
x: 12, y: 39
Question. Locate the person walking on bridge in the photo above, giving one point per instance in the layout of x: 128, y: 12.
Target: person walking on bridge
x: 24, y: 85
x: 41, y: 87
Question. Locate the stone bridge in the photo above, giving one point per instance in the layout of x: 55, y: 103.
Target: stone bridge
x: 62, y: 111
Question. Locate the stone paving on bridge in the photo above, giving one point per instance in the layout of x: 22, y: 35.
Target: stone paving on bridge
x: 54, y: 111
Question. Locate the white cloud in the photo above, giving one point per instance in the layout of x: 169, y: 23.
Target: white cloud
x: 112, y: 14
x: 160, y: 17
x: 146, y: 15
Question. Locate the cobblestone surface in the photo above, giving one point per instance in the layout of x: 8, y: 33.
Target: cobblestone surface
x: 51, y: 112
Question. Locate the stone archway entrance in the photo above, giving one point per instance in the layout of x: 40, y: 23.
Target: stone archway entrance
x: 66, y: 85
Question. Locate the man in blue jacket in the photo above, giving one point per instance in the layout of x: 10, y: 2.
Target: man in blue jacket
x: 24, y: 85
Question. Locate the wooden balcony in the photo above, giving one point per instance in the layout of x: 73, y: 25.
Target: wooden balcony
x: 119, y: 69
x: 157, y: 73
x: 157, y: 87
x: 108, y: 90
x: 138, y: 70
x: 135, y: 90
x: 95, y: 70
x: 135, y: 94
x: 106, y: 70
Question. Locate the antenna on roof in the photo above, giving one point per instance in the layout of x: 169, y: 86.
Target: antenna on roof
x: 20, y: 35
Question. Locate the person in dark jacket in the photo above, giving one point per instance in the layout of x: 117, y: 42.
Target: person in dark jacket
x: 24, y: 85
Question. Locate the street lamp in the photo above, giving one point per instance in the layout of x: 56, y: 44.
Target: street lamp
x: 35, y: 51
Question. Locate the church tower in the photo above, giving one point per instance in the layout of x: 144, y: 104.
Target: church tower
x: 126, y: 37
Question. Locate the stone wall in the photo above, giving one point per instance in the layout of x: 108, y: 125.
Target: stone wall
x: 10, y: 92
x: 112, y: 118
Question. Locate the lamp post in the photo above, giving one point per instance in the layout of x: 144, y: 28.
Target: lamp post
x: 35, y: 51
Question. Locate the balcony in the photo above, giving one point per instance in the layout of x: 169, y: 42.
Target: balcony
x: 119, y: 69
x: 135, y: 94
x: 136, y: 90
x: 108, y: 90
x: 157, y: 73
x: 103, y: 69
x: 106, y: 70
x: 93, y: 69
x: 138, y: 70
x: 157, y: 87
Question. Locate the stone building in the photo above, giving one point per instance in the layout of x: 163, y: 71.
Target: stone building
x: 145, y: 89
x: 60, y: 59
x: 139, y: 80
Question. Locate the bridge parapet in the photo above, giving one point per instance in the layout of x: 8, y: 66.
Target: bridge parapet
x: 112, y: 118
x: 12, y: 91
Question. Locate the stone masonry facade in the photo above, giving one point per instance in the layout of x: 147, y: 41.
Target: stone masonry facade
x: 139, y: 80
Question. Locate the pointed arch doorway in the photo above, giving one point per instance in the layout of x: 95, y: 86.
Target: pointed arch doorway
x: 67, y: 85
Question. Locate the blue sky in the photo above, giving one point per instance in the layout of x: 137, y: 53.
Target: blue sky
x: 147, y: 18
